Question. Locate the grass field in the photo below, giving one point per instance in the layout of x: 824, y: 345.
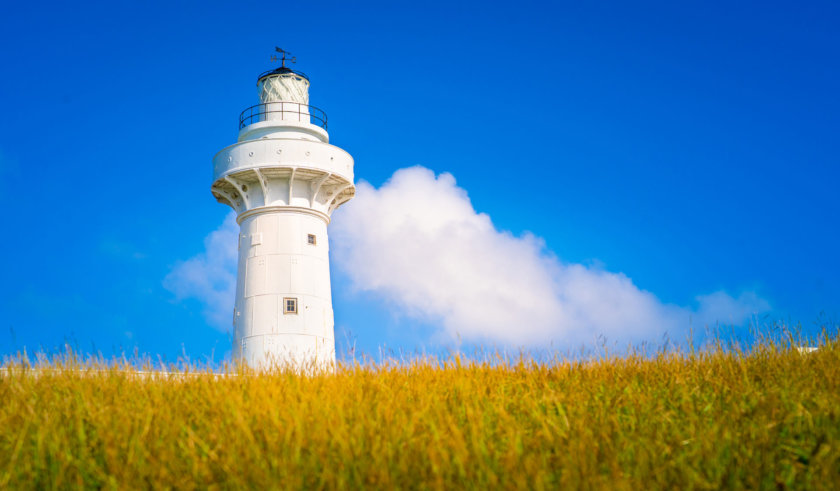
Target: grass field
x: 720, y: 418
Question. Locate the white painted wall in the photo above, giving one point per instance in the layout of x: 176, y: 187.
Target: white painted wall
x: 276, y: 262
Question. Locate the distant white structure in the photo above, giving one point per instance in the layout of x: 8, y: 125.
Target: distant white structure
x: 284, y: 180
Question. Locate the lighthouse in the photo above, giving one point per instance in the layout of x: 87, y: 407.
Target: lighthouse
x: 284, y: 180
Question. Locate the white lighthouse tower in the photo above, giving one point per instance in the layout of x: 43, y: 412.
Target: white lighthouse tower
x: 284, y: 180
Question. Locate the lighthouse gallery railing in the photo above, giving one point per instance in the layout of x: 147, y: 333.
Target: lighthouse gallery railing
x: 283, y: 111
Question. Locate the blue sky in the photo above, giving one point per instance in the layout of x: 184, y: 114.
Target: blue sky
x: 691, y: 147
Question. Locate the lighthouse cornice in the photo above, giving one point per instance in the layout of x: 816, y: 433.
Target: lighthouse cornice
x: 283, y: 187
x: 280, y: 139
x: 283, y: 152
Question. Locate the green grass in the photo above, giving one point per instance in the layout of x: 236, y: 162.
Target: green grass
x: 715, y: 419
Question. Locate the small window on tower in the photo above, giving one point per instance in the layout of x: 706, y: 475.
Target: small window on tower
x: 290, y: 306
x: 310, y: 239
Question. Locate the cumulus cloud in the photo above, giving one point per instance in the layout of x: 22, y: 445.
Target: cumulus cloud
x: 418, y: 242
x: 210, y: 276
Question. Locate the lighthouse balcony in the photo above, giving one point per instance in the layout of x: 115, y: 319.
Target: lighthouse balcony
x: 269, y: 117
x: 283, y: 111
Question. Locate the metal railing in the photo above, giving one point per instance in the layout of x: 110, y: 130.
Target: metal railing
x: 283, y: 111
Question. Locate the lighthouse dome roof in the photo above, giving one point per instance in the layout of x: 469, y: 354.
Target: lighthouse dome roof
x: 282, y: 71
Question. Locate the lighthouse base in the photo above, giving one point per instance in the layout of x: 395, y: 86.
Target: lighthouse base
x: 298, y: 352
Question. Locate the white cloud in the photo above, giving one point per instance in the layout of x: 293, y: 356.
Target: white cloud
x: 210, y: 276
x: 720, y: 307
x: 418, y: 242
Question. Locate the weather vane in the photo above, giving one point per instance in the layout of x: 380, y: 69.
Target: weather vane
x: 283, y: 59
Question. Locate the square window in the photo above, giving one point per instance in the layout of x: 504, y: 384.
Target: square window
x: 290, y: 306
x: 310, y: 239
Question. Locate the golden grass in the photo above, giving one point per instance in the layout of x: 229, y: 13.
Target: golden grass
x: 714, y: 419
